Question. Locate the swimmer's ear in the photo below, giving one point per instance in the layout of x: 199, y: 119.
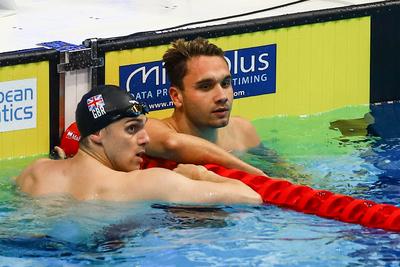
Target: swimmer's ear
x: 96, y: 137
x: 176, y: 96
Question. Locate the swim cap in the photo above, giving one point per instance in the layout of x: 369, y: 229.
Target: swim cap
x: 104, y: 105
x: 70, y: 140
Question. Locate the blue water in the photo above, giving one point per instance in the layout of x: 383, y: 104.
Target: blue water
x: 59, y: 231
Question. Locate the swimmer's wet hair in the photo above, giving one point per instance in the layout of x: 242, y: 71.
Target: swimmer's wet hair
x: 176, y: 57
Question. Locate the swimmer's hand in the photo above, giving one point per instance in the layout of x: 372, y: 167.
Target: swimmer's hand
x: 194, y: 172
x: 58, y: 153
x: 198, y: 172
x: 235, y: 187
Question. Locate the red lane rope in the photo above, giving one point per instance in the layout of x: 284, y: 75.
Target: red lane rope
x: 305, y: 199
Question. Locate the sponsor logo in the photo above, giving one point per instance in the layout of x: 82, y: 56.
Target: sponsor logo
x: 73, y: 136
x: 18, y: 102
x: 253, y: 73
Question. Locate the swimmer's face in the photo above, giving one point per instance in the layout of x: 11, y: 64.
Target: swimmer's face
x: 124, y: 143
x: 206, y: 98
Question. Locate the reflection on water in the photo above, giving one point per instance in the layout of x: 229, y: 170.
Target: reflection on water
x: 181, y: 217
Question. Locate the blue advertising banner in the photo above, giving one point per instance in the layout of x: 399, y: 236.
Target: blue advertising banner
x: 253, y: 73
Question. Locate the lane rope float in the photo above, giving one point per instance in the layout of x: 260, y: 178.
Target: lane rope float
x: 285, y: 194
x: 305, y: 199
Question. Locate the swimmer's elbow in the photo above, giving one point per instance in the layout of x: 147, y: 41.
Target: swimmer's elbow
x: 246, y: 198
x: 171, y: 143
x: 255, y: 199
x: 248, y: 195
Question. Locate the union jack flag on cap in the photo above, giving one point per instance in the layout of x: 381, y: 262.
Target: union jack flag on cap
x: 95, y: 102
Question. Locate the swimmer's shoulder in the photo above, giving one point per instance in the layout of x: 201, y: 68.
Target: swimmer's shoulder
x: 160, y: 125
x: 245, y: 131
x: 241, y: 123
x: 38, y: 166
x: 41, y: 175
x: 27, y: 180
x: 44, y: 166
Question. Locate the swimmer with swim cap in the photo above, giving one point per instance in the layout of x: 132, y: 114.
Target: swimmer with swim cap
x: 107, y: 164
x: 118, y: 104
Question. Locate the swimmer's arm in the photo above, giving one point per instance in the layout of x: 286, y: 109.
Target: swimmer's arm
x: 183, y: 148
x: 210, y: 188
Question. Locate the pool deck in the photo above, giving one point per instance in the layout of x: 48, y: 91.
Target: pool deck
x: 26, y: 23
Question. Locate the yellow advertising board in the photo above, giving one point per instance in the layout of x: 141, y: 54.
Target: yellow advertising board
x: 24, y: 109
x: 318, y: 67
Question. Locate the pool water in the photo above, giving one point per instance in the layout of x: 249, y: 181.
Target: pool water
x: 334, y: 151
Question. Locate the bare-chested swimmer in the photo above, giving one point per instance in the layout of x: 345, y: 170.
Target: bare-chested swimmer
x: 107, y: 164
